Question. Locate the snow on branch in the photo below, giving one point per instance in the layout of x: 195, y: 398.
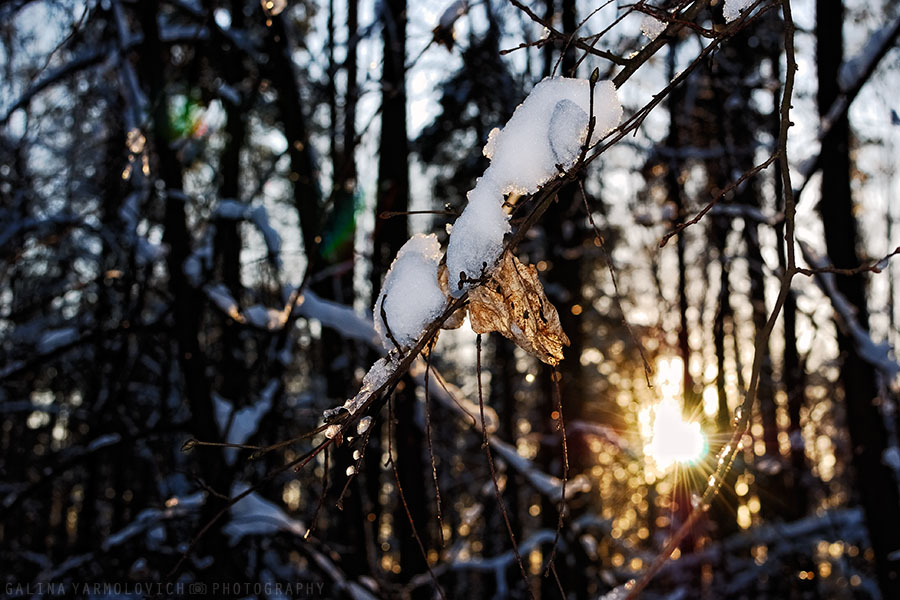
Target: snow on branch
x: 843, y: 524
x: 151, y: 517
x: 234, y: 210
x: 733, y: 9
x: 547, y: 134
x: 854, y: 74
x: 543, y: 138
x: 411, y: 296
x: 254, y: 515
x: 238, y: 425
x: 548, y: 485
x: 145, y: 521
x: 346, y: 321
x: 878, y: 355
x: 498, y: 564
x: 335, y: 315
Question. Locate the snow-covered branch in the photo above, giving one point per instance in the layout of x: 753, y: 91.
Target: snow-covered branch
x: 854, y: 74
x: 876, y: 354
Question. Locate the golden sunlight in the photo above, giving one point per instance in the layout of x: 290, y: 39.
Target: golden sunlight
x: 668, y: 437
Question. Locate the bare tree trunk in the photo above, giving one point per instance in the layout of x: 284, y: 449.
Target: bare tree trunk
x: 307, y: 195
x: 682, y: 492
x: 187, y: 303
x: 722, y: 513
x: 393, y: 155
x: 388, y: 237
x: 874, y: 479
x: 227, y: 243
x: 339, y: 356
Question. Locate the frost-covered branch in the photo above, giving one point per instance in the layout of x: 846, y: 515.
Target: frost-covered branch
x: 349, y: 323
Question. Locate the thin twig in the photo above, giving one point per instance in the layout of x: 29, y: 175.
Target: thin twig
x: 412, y: 523
x: 744, y: 177
x: 872, y: 267
x: 434, y: 475
x: 598, y: 239
x: 487, y: 450
x: 557, y: 395
x: 321, y: 502
x: 580, y: 44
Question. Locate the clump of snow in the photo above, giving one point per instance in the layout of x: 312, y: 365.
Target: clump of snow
x: 377, y: 376
x: 567, y: 130
x: 521, y: 156
x: 411, y: 295
x: 545, y: 134
x: 652, y: 27
x: 477, y: 236
x: 733, y: 8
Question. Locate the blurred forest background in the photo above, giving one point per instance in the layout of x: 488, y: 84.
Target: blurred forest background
x: 198, y: 202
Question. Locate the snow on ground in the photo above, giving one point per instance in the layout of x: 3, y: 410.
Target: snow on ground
x: 544, y: 135
x: 411, y: 295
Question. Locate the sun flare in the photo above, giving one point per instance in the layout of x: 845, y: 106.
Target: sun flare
x: 669, y: 439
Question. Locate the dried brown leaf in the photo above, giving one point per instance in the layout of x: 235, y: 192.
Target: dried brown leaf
x: 514, y: 304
